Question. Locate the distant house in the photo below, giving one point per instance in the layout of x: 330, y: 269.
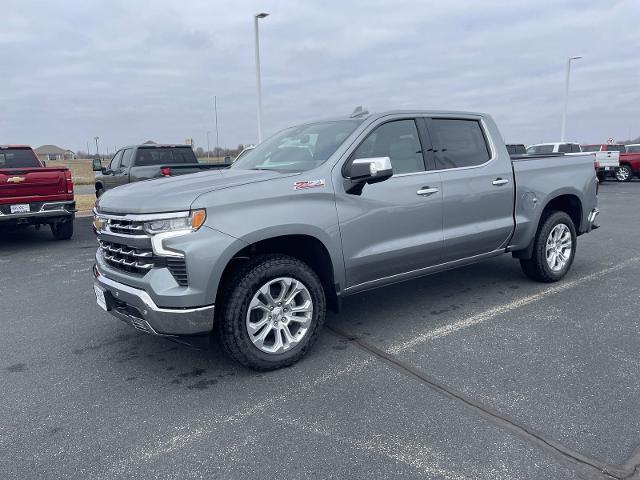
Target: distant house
x: 53, y: 152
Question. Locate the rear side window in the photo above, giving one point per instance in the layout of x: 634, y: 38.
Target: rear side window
x: 397, y: 140
x: 18, y: 158
x: 564, y: 148
x: 459, y: 143
x: 575, y: 148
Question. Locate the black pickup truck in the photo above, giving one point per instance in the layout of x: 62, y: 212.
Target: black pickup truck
x: 144, y: 162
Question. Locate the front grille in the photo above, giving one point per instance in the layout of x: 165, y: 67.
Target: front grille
x: 126, y: 227
x: 129, y: 259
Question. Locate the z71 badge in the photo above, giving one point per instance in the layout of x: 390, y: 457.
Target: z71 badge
x: 306, y: 184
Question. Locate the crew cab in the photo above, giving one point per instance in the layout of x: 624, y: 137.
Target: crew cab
x: 607, y: 158
x: 144, y: 162
x: 256, y: 253
x: 629, y: 163
x: 32, y: 194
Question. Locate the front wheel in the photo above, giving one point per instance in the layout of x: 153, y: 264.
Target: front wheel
x: 62, y: 230
x: 553, y: 250
x: 272, y: 312
x: 624, y: 173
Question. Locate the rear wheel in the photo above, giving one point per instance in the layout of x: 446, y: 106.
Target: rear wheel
x: 553, y: 250
x: 62, y: 230
x: 624, y: 173
x: 272, y: 312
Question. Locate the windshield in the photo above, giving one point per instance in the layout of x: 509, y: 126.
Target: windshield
x: 299, y: 148
x: 18, y: 158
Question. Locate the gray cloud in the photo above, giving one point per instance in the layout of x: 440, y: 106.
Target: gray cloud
x: 132, y: 70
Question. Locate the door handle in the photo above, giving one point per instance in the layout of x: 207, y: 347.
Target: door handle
x: 500, y: 181
x: 426, y: 191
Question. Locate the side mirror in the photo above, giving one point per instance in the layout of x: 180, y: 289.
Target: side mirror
x: 370, y: 170
x: 97, y: 165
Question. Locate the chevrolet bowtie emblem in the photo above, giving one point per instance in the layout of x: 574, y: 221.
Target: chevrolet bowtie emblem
x: 15, y: 179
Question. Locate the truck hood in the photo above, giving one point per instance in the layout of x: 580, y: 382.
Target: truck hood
x: 174, y: 194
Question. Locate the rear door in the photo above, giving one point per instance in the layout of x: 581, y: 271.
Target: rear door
x: 395, y: 226
x: 477, y: 187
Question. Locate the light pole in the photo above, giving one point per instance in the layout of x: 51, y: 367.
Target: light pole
x: 566, y: 97
x: 207, y: 145
x: 96, y: 139
x: 215, y: 109
x: 256, y: 17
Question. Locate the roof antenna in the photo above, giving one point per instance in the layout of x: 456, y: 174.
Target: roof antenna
x: 359, y: 112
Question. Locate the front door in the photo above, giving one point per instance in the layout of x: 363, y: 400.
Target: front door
x: 394, y: 226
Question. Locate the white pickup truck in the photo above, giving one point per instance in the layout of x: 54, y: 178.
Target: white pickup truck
x: 607, y: 158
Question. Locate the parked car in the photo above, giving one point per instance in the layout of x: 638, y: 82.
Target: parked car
x: 324, y: 210
x: 607, y: 158
x: 144, y: 162
x: 516, y: 149
x: 32, y: 194
x: 629, y: 163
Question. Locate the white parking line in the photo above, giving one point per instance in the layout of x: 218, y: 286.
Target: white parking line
x: 501, y: 309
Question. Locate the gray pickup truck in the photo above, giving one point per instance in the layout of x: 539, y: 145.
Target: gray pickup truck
x: 144, y: 162
x: 255, y: 254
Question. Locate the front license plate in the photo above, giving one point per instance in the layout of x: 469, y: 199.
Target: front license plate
x: 20, y: 208
x: 102, y: 302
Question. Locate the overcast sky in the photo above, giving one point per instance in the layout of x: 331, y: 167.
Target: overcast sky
x: 130, y: 70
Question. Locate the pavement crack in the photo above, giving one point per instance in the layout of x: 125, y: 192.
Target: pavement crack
x: 592, y: 466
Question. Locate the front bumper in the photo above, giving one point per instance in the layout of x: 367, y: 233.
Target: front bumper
x: 135, y: 307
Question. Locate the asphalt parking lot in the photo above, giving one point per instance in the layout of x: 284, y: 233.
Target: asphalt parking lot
x: 476, y: 373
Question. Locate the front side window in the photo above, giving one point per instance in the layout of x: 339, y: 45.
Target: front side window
x: 126, y: 158
x: 115, y: 161
x: 460, y: 143
x: 298, y: 149
x: 397, y: 140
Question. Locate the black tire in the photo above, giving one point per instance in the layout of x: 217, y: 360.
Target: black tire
x: 62, y: 230
x: 99, y: 191
x: 624, y: 173
x: 235, y: 296
x: 537, y: 267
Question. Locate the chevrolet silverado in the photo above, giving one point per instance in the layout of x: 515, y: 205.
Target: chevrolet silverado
x: 256, y: 253
x: 32, y: 194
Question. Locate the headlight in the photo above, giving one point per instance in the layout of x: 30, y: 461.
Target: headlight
x: 188, y: 221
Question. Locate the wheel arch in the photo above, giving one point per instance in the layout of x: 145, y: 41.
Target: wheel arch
x: 303, y: 246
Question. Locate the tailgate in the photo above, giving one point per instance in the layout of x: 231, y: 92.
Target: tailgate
x: 31, y: 182
x: 608, y: 159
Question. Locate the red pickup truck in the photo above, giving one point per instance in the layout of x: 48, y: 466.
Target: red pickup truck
x: 32, y: 194
x: 629, y: 163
